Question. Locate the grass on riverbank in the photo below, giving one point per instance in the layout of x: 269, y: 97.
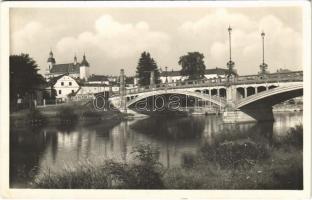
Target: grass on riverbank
x: 231, y: 163
x: 67, y: 115
x: 145, y: 174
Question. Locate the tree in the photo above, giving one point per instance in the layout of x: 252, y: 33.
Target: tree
x: 24, y: 77
x: 145, y: 66
x: 193, y: 65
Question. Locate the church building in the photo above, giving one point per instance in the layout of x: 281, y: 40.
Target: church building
x: 74, y: 69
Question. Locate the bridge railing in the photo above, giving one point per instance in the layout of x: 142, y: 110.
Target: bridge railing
x: 221, y: 81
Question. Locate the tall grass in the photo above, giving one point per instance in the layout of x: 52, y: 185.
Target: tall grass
x: 144, y: 174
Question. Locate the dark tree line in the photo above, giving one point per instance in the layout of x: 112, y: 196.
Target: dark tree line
x: 145, y: 66
x: 192, y: 66
x: 24, y: 77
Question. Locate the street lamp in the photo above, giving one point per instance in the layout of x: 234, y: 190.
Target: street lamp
x: 230, y: 64
x: 263, y: 66
x: 230, y: 30
x: 166, y: 74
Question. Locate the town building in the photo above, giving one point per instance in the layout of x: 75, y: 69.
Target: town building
x: 175, y: 76
x: 98, y: 79
x: 73, y: 69
x: 64, y: 85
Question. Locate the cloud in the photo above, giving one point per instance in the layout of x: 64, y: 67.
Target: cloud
x: 282, y: 43
x: 117, y: 40
x: 112, y: 44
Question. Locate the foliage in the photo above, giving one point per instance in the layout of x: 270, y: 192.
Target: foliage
x: 67, y: 115
x: 91, y: 114
x: 233, y: 162
x: 36, y: 117
x: 293, y: 138
x: 193, y: 65
x: 48, y: 96
x: 147, y: 174
x: 24, y: 77
x: 147, y: 64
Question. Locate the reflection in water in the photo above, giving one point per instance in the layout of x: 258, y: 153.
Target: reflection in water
x: 55, y: 147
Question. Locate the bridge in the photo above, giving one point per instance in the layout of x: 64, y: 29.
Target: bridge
x: 240, y: 99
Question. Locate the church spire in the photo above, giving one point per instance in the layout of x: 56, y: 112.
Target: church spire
x: 51, y: 58
x: 51, y: 53
x: 84, y: 61
x: 75, y: 60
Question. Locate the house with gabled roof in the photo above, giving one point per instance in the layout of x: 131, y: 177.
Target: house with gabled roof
x: 64, y: 85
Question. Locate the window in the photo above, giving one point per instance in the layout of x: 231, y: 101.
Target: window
x: 62, y: 83
x: 60, y: 91
x: 70, y: 83
x: 73, y: 91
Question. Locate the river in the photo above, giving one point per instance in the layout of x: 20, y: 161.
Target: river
x: 32, y: 150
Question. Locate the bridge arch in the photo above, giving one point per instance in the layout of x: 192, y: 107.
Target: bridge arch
x: 250, y: 91
x: 222, y: 92
x: 261, y: 88
x: 241, y: 92
x: 271, y: 97
x: 215, y: 100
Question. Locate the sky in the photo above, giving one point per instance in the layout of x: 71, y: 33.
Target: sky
x: 114, y: 38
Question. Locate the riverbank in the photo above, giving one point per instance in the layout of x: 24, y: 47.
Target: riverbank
x: 65, y: 115
x: 233, y: 161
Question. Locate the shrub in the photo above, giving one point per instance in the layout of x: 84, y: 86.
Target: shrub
x: 188, y: 160
x: 145, y: 175
x: 36, y: 117
x: 91, y: 114
x: 295, y: 136
x: 67, y: 115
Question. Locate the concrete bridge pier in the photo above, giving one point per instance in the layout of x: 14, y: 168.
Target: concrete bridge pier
x: 260, y: 112
x: 248, y: 115
x: 122, y: 92
x: 231, y: 97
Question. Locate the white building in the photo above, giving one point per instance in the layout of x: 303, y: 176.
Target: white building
x: 98, y: 79
x: 64, y: 86
x: 74, y: 69
x: 215, y: 73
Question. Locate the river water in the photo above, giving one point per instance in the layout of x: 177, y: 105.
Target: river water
x: 31, y: 151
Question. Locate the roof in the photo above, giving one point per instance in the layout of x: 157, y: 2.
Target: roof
x: 218, y: 71
x: 170, y: 73
x: 53, y: 80
x: 84, y: 61
x: 52, y: 60
x: 65, y: 68
x: 92, y: 84
x: 129, y: 80
x: 97, y: 78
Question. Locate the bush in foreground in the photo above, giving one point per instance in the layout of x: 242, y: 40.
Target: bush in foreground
x: 146, y: 174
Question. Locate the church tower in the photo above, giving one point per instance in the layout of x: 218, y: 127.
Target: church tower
x: 51, y: 61
x: 84, y: 68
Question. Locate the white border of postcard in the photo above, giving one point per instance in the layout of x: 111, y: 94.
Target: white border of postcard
x: 151, y: 194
